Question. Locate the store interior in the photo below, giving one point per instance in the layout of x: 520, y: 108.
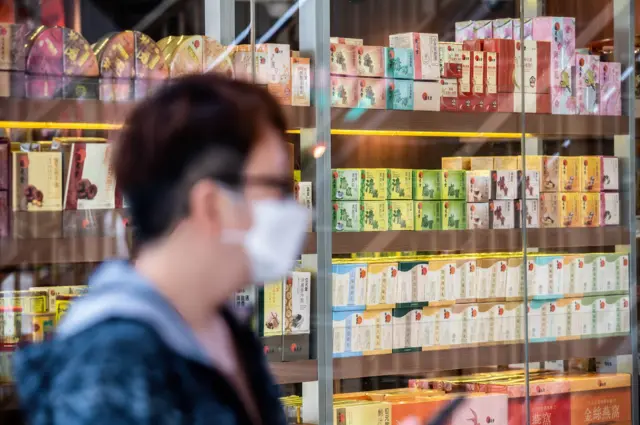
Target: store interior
x: 473, y: 202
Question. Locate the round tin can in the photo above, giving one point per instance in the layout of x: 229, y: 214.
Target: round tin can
x: 10, y: 325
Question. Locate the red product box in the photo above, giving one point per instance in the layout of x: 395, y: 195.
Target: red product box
x: 449, y: 94
x: 491, y: 82
x: 536, y: 56
x: 450, y: 59
x: 478, y: 72
x: 534, y: 103
x: 505, y: 50
x: 473, y: 45
x: 464, y: 82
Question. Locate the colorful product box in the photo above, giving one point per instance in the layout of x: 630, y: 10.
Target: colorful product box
x: 428, y: 215
x: 569, y: 209
x: 374, y: 184
x: 346, y: 216
x: 503, y: 29
x: 479, y: 186
x: 342, y: 59
x: 550, y: 173
x: 426, y: 96
x: 401, y: 215
x: 478, y: 76
x: 346, y: 184
x: 372, y: 93
x: 483, y: 30
x: 425, y: 50
x: 358, y: 333
x: 412, y: 285
x: 362, y: 412
x: 407, y: 330
x: 502, y: 214
x: 612, y: 273
x: 546, y: 276
x: 534, y: 57
x: 37, y: 181
x: 464, y: 31
x: 504, y: 184
x: 400, y: 63
x: 90, y: 180
x: 491, y: 278
x: 344, y: 92
x: 531, y: 214
x: 272, y: 321
x: 441, y: 281
x: 453, y: 184
x: 587, y: 82
x: 505, y: 50
x: 610, y: 209
x: 300, y: 82
x: 349, y: 286
x: 589, y: 209
x: 610, y: 89
x: 491, y: 82
x: 382, y: 280
x: 464, y: 82
x: 527, y: 34
x: 400, y: 95
x: 297, y: 303
x: 399, y: 183
x: 599, y: 173
x: 427, y: 184
x: 450, y: 59
x: 570, y: 173
x: 454, y: 215
x: 242, y: 62
x: 532, y: 185
x: 449, y: 94
x: 372, y: 61
x: 374, y: 216
x: 477, y: 215
x: 549, y: 210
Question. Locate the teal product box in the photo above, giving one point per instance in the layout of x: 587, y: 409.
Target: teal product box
x: 349, y: 286
x: 400, y: 95
x: 454, y: 184
x: 400, y: 63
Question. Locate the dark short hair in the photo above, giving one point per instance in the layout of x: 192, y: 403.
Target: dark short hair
x: 195, y: 127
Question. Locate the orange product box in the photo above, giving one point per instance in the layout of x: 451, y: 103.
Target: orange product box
x: 422, y: 408
x: 549, y: 401
x: 550, y: 174
x: 600, y: 398
x: 598, y: 173
x: 480, y: 408
x: 569, y: 173
x: 590, y: 209
x: 570, y: 209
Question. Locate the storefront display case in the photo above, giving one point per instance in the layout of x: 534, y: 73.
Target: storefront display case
x: 469, y: 167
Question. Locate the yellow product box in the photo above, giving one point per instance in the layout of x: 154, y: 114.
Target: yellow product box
x: 506, y: 163
x: 591, y: 173
x: 374, y: 216
x: 63, y: 304
x: 550, y: 173
x: 374, y: 184
x: 32, y: 302
x: 569, y: 209
x: 570, y: 173
x: 589, y: 209
x: 456, y: 163
x: 401, y: 215
x: 370, y: 413
x: 37, y: 181
x: 382, y: 281
x: 549, y: 210
x: 482, y: 163
x: 271, y: 309
x: 533, y: 163
x: 53, y: 291
x: 399, y: 183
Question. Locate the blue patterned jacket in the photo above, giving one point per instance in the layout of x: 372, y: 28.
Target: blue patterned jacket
x: 123, y: 355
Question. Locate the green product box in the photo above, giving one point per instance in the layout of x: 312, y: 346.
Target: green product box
x: 401, y: 215
x: 399, y: 183
x: 454, y: 184
x: 427, y: 185
x: 346, y: 216
x: 400, y: 95
x: 346, y: 184
x: 427, y: 215
x: 374, y: 184
x: 454, y: 215
x: 373, y: 216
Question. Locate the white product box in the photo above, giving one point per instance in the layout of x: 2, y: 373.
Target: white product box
x: 300, y: 82
x: 610, y: 208
x: 413, y: 282
x: 303, y: 193
x: 382, y: 279
x: 349, y: 285
x: 532, y: 213
x: 426, y: 96
x: 407, y: 329
x: 90, y: 183
x: 297, y: 303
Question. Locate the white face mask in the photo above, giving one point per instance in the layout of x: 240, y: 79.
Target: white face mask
x: 275, y: 240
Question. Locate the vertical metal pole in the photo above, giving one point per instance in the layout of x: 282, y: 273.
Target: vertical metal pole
x: 252, y: 14
x: 220, y: 20
x: 314, y: 44
x: 624, y: 149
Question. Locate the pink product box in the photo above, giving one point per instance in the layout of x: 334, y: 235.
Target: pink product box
x: 372, y: 93
x: 561, y: 32
x: 342, y: 59
x: 344, y: 93
x: 483, y: 30
x: 610, y: 89
x: 587, y: 84
x: 371, y: 61
x: 503, y: 28
x: 528, y: 29
x: 465, y: 31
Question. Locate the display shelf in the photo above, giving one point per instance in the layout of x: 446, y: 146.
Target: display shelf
x: 477, y: 240
x: 417, y: 363
x: 548, y: 126
x: 105, y: 115
x: 94, y: 114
